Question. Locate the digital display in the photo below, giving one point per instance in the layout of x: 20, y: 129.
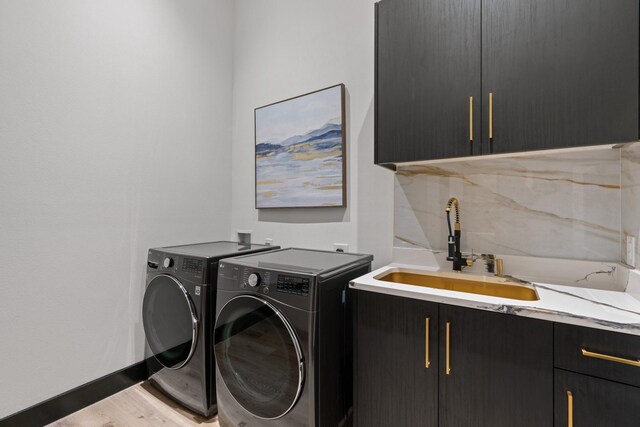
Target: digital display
x: 293, y: 285
x: 191, y: 265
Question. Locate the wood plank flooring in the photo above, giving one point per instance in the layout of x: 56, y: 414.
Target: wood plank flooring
x: 138, y: 406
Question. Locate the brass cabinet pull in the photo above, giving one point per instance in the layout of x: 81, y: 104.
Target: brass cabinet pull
x: 426, y: 343
x: 588, y: 353
x: 490, y: 115
x: 448, y: 349
x: 569, y: 409
x: 471, y: 119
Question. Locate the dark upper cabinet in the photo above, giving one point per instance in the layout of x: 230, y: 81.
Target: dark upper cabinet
x: 500, y: 369
x: 427, y: 69
x: 584, y: 401
x: 396, y: 361
x: 561, y: 73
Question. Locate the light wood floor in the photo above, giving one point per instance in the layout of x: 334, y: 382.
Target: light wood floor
x: 137, y: 406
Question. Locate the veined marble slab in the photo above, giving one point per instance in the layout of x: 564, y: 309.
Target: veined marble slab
x: 596, y: 308
x: 564, y: 205
x: 630, y: 196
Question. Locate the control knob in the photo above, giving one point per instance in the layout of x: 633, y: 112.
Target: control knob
x: 254, y: 280
x: 168, y: 262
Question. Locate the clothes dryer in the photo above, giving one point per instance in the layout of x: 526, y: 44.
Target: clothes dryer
x: 282, y: 338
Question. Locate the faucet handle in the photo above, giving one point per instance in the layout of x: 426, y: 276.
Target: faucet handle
x: 471, y: 258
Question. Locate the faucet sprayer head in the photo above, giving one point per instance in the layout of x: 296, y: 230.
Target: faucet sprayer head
x: 454, y: 202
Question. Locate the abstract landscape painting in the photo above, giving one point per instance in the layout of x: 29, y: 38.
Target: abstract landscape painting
x: 300, y: 150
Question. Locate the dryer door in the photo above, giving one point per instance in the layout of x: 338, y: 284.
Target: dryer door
x: 258, y: 356
x: 170, y: 321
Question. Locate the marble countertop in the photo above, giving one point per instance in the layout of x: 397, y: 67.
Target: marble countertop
x: 615, y: 310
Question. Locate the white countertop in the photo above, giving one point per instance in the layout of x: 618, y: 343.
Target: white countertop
x: 615, y: 310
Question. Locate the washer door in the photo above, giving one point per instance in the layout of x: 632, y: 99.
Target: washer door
x: 258, y: 356
x: 170, y: 321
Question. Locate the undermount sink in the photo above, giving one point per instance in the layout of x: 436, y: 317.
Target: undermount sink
x: 495, y: 287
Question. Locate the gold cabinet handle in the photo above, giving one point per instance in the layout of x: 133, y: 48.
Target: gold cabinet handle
x: 471, y: 119
x: 569, y: 409
x: 448, y: 349
x: 588, y: 353
x: 490, y: 115
x: 426, y: 343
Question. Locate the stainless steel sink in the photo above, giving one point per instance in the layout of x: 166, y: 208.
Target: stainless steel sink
x: 480, y: 285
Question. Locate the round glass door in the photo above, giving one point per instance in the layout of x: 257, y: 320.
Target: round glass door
x: 258, y: 357
x: 170, y: 322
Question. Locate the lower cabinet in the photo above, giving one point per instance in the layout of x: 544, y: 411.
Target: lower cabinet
x: 585, y: 401
x: 396, y: 361
x: 426, y: 364
x: 597, y: 378
x: 497, y: 370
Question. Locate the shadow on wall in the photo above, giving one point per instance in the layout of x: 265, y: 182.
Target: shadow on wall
x: 375, y: 193
x: 304, y: 215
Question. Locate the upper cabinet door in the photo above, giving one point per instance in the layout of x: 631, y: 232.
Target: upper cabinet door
x: 427, y: 69
x: 562, y: 73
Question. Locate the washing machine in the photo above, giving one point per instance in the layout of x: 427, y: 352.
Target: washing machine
x: 178, y: 313
x: 282, y: 339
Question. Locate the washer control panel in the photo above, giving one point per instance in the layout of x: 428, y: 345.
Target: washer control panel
x: 187, y: 268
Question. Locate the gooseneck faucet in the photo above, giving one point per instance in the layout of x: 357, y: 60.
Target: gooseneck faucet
x: 453, y: 241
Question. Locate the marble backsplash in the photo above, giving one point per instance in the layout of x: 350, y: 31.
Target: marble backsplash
x: 630, y: 196
x: 562, y: 205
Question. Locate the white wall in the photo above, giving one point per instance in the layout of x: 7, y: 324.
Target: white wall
x: 283, y: 48
x: 114, y: 137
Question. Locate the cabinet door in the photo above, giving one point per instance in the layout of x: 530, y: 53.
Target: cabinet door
x: 594, y: 402
x: 396, y: 361
x: 562, y: 73
x: 427, y: 67
x: 500, y: 369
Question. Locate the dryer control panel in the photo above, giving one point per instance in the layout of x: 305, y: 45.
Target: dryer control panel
x: 192, y: 265
x: 295, y: 290
x: 293, y: 285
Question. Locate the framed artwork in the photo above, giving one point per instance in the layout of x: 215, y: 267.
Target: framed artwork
x: 300, y: 151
